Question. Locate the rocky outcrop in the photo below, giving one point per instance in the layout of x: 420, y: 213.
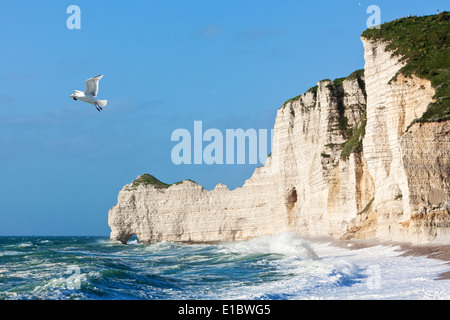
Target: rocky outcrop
x: 187, y: 212
x: 345, y: 162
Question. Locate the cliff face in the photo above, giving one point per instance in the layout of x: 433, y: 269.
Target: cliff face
x: 409, y: 168
x: 343, y: 164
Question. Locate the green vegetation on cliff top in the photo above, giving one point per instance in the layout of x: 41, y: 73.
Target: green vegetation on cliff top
x: 358, y: 74
x: 338, y: 82
x: 146, y: 179
x: 424, y: 43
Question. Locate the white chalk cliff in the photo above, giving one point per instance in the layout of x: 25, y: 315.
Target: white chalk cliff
x: 320, y: 179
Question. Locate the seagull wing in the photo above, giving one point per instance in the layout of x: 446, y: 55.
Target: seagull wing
x: 92, y: 85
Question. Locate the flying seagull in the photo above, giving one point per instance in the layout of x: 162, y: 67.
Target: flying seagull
x: 90, y: 95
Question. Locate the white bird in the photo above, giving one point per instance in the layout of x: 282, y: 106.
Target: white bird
x: 90, y: 95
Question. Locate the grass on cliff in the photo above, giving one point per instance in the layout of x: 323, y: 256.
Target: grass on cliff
x: 424, y: 43
x: 146, y: 179
x: 353, y: 136
x: 313, y: 90
x: 354, y: 143
x: 358, y: 74
x: 367, y: 207
x: 354, y: 75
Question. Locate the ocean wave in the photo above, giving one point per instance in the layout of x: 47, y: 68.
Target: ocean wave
x: 12, y: 253
x: 285, y: 244
x: 271, y: 267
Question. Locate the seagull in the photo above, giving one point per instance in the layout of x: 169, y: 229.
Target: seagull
x: 90, y: 95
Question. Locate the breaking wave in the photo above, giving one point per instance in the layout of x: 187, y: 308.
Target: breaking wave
x: 271, y: 267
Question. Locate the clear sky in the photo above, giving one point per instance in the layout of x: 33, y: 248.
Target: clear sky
x: 230, y: 64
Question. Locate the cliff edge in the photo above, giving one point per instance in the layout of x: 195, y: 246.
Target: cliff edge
x: 366, y: 156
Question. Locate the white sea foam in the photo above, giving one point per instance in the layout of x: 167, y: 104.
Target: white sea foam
x: 285, y: 244
x: 271, y: 267
x: 108, y: 242
x: 25, y: 245
x: 11, y: 253
x: 378, y: 272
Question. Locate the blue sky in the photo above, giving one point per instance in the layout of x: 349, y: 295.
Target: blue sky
x: 230, y: 64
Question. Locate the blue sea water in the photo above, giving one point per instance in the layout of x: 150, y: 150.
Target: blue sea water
x: 275, y: 267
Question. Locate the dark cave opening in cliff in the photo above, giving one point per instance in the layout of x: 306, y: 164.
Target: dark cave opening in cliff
x: 291, y: 199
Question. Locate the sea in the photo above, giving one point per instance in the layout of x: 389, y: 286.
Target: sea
x: 283, y: 267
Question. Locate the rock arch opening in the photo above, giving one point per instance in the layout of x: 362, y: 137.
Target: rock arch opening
x: 133, y: 239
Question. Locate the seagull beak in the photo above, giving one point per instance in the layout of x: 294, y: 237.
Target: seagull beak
x: 71, y: 96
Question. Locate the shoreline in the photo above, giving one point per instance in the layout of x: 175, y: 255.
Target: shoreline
x: 435, y: 251
x: 430, y: 251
